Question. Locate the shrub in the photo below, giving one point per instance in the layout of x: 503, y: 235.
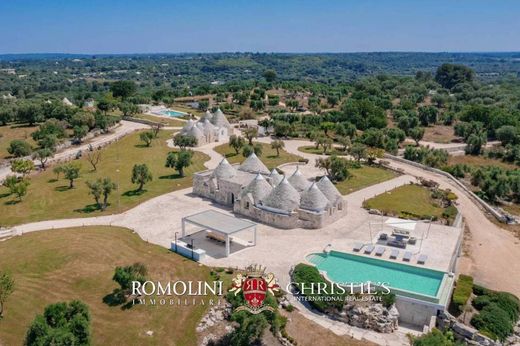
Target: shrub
x: 434, y: 338
x: 507, y: 302
x: 479, y: 290
x: 481, y: 302
x: 308, y: 275
x: 493, y: 321
x: 462, y: 291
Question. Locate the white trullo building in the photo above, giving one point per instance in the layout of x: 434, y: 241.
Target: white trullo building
x: 211, y: 127
x: 269, y: 197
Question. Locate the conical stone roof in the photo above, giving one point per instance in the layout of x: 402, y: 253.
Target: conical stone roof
x: 189, y: 124
x: 207, y: 115
x: 253, y: 165
x: 206, y: 127
x: 276, y: 177
x: 283, y: 197
x: 298, y: 181
x: 220, y: 120
x: 224, y: 170
x: 259, y: 188
x: 313, y: 199
x: 195, y: 132
x: 328, y: 189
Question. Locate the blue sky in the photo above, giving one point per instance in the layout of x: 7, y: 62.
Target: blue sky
x: 146, y: 26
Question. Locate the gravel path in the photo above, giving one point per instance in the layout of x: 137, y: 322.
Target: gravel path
x: 123, y: 129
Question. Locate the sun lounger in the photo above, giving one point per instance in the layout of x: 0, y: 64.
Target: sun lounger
x: 380, y: 251
x: 369, y: 249
x: 422, y: 259
x: 407, y: 256
x: 394, y: 254
x: 358, y: 247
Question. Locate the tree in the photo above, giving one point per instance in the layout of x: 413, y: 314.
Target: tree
x: 22, y: 166
x: 428, y: 115
x: 184, y: 141
x: 508, y: 135
x: 57, y: 170
x: 20, y: 189
x: 128, y: 108
x: 474, y: 143
x: 42, y: 155
x: 29, y: 113
x: 155, y: 130
x: 123, y: 88
x: 326, y: 126
x: 179, y: 160
x: 6, y: 288
x: 417, y: 134
x: 236, y: 142
x: 449, y: 75
x: 373, y: 154
x: 141, y: 175
x: 277, y: 145
x: 344, y: 141
x: 125, y: 275
x: 323, y: 163
x: 79, y: 132
x: 93, y: 157
x: 326, y: 144
x: 338, y: 168
x: 19, y: 148
x: 101, y: 188
x: 71, y: 172
x: 105, y: 105
x: 250, y: 133
x: 359, y: 151
x: 146, y: 137
x: 247, y: 150
x: 270, y: 75
x: 61, y: 324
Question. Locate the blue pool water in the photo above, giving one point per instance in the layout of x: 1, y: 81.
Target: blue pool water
x: 348, y: 268
x: 174, y: 114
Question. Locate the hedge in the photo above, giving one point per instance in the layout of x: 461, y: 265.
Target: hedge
x: 493, y: 321
x: 462, y: 291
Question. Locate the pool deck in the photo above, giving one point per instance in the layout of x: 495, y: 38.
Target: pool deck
x: 279, y: 250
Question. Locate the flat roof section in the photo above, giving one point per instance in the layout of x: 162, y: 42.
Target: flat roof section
x: 219, y: 222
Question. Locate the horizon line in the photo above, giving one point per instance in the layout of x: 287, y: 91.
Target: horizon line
x: 271, y: 52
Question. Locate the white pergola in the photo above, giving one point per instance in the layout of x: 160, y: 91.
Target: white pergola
x: 219, y: 222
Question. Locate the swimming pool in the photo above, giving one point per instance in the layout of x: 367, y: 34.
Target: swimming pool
x: 403, y: 279
x: 172, y: 113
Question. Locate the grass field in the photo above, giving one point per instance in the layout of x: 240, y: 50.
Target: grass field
x: 162, y: 120
x: 480, y: 161
x: 49, y: 198
x: 363, y: 177
x: 313, y: 150
x: 8, y: 133
x: 268, y: 157
x: 46, y: 272
x: 405, y: 200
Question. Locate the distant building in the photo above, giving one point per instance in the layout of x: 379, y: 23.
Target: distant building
x: 251, y: 190
x: 66, y: 102
x: 212, y: 127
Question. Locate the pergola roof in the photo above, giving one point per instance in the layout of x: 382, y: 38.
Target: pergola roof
x: 406, y: 225
x: 219, y: 222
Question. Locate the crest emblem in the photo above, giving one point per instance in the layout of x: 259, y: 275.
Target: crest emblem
x: 254, y: 285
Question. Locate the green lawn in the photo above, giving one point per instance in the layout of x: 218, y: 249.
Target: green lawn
x: 268, y: 157
x: 46, y: 271
x: 49, y: 198
x: 9, y: 133
x: 405, y: 201
x: 162, y: 120
x: 363, y: 177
